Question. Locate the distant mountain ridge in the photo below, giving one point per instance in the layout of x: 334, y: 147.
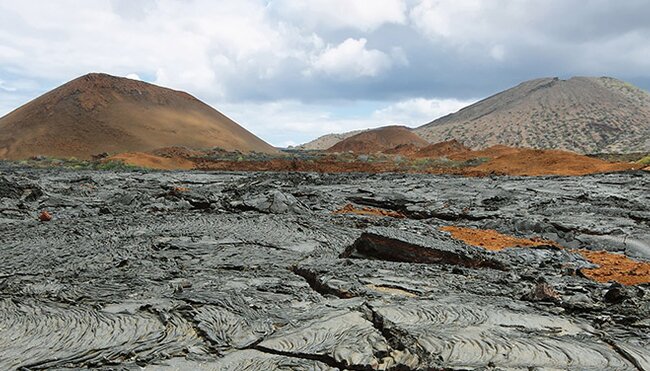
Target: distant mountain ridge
x: 102, y: 113
x: 326, y: 141
x: 379, y: 140
x: 581, y: 114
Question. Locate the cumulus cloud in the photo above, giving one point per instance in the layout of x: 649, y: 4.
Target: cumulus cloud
x: 289, y: 122
x: 196, y: 45
x: 569, y: 29
x: 365, y: 15
x: 418, y: 111
x: 412, y: 58
x: 351, y: 58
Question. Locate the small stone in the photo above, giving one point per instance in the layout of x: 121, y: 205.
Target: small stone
x: 580, y: 301
x: 45, y: 216
x: 617, y: 293
x: 542, y: 292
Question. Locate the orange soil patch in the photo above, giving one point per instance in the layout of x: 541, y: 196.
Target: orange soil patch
x: 441, y: 149
x: 504, y: 161
x: 150, y: 161
x: 612, y: 267
x: 368, y: 211
x: 490, y: 152
x: 403, y: 149
x: 492, y: 240
x: 616, y: 267
x: 182, y: 152
x: 534, y: 162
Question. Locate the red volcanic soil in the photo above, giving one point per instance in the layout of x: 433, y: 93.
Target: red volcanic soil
x: 442, y: 149
x: 611, y: 267
x: 379, y: 140
x: 99, y: 113
x: 616, y: 267
x: 491, y: 239
x: 534, y: 162
x: 150, y: 161
x: 499, y: 160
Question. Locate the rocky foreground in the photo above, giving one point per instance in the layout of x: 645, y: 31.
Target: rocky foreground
x: 297, y: 271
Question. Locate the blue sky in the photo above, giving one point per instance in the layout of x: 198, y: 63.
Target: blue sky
x: 293, y: 70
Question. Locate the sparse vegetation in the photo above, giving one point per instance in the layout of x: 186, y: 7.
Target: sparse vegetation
x: 645, y: 160
x: 43, y: 162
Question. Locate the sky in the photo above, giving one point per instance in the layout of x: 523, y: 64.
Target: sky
x: 292, y: 70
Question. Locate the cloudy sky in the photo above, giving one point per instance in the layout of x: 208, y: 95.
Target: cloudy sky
x: 292, y: 70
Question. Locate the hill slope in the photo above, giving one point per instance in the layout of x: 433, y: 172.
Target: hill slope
x: 378, y: 140
x: 101, y: 113
x: 582, y: 114
x: 326, y: 141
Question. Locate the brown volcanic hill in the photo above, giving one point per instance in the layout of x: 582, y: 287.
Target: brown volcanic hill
x: 378, y: 140
x: 101, y: 113
x: 582, y: 114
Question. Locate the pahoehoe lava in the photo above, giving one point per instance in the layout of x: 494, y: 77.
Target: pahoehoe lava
x: 256, y: 271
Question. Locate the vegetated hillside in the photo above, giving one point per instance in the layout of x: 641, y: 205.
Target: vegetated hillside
x: 582, y: 114
x: 378, y: 140
x: 101, y: 113
x: 326, y: 141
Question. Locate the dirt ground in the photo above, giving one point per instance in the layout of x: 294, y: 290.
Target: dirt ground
x: 499, y: 160
x: 612, y: 267
x: 616, y: 267
x: 150, y: 161
x: 491, y: 239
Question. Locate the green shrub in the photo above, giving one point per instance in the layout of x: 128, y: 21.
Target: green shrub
x: 645, y: 160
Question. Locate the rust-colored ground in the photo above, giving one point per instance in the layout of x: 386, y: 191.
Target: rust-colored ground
x: 515, y: 164
x: 368, y: 211
x: 611, y: 267
x: 496, y: 160
x: 150, y: 161
x: 616, y: 267
x: 490, y: 152
x: 534, y: 162
x: 491, y: 239
x: 448, y: 148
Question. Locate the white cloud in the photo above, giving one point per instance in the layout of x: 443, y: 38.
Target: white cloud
x: 5, y: 87
x: 418, y: 111
x: 351, y: 59
x: 196, y: 46
x: 473, y: 27
x: 289, y: 122
x: 364, y: 15
x: 133, y: 76
x: 498, y: 52
x: 284, y: 53
x: 447, y: 19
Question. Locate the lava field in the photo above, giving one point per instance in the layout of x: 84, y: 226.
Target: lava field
x: 304, y: 271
